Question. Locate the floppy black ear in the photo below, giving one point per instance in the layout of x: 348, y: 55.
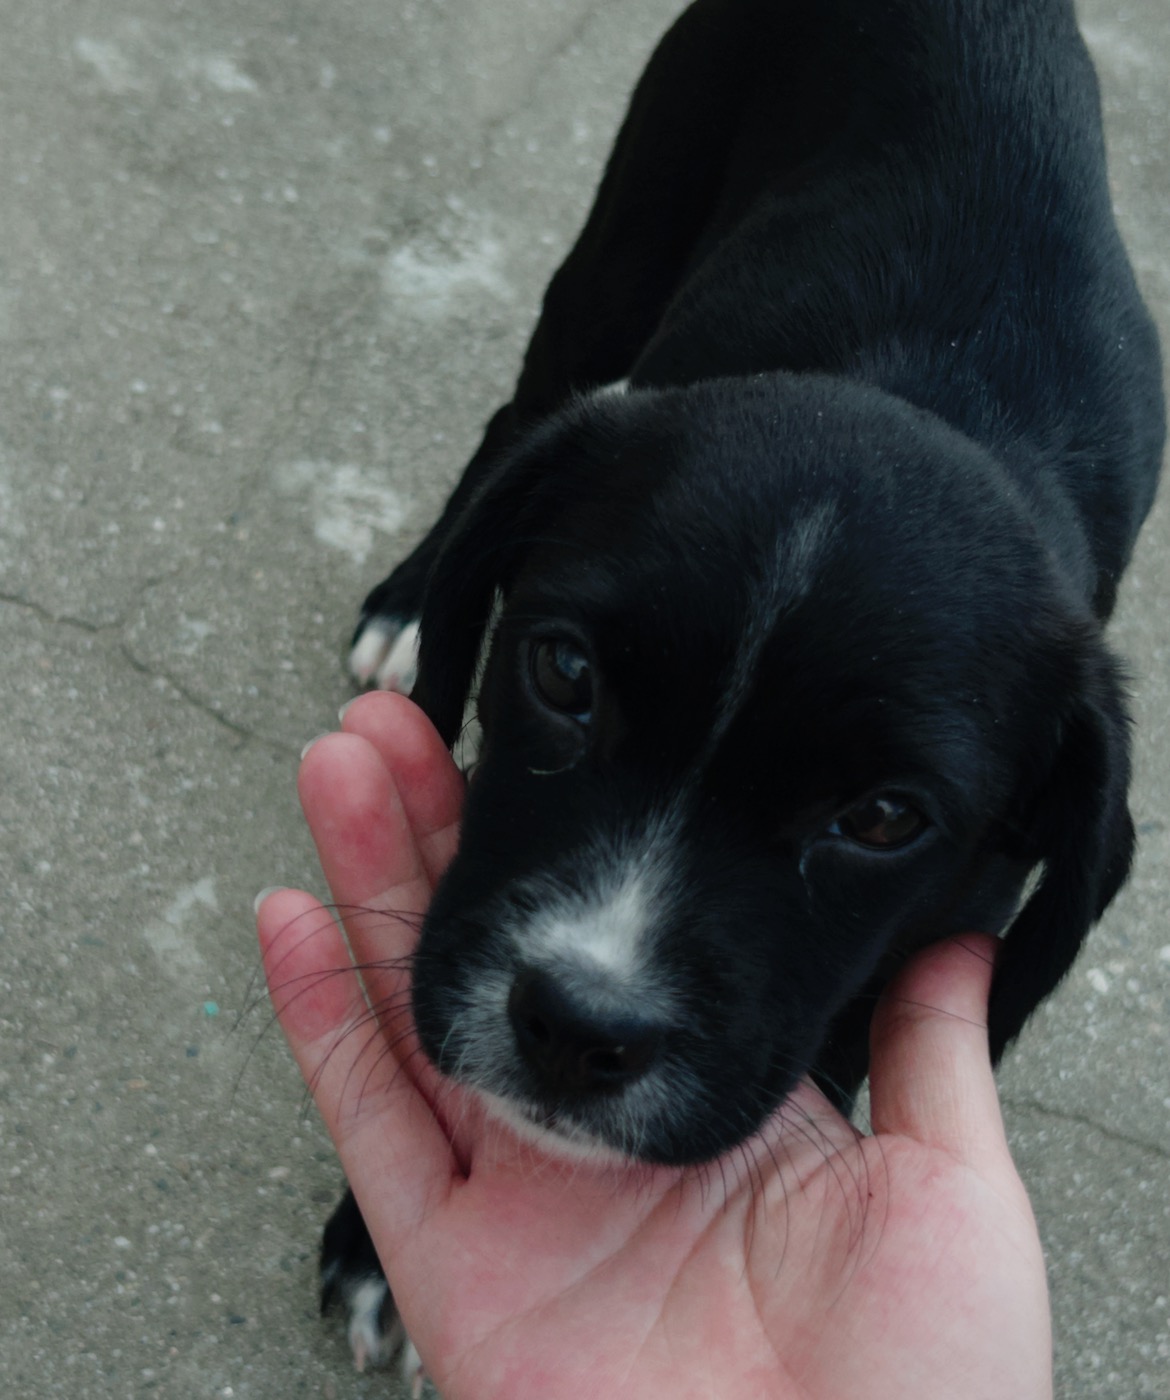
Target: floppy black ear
x: 1081, y: 828
x: 480, y: 548
x: 460, y: 592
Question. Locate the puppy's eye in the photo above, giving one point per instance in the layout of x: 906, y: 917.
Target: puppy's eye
x: 563, y: 678
x: 881, y: 823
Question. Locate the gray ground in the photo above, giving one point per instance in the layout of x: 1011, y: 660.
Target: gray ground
x: 265, y: 267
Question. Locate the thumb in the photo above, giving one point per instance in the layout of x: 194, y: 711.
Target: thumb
x: 930, y: 1065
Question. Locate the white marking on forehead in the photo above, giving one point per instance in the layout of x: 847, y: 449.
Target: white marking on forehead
x: 784, y: 579
x: 799, y: 550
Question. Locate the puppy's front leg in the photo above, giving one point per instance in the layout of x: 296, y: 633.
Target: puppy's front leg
x: 352, y: 1279
x: 608, y: 297
x: 384, y: 650
x: 660, y: 189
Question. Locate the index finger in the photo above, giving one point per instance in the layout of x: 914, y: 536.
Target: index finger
x: 369, y: 856
x: 429, y: 783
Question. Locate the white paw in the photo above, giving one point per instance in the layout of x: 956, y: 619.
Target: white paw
x: 371, y: 1341
x: 412, y: 1369
x: 386, y: 655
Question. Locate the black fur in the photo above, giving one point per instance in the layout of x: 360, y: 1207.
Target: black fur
x: 895, y: 417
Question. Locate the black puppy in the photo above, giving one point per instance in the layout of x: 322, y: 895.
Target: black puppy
x: 798, y: 662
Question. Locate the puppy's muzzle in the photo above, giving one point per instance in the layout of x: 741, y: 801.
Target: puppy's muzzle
x: 576, y: 1037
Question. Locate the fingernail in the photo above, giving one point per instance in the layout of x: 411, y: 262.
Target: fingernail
x: 314, y: 740
x: 263, y: 895
x: 348, y: 703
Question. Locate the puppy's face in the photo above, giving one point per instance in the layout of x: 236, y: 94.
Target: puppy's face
x: 768, y: 703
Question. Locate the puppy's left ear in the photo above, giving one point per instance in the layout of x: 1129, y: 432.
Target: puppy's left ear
x: 1080, y: 827
x: 477, y: 559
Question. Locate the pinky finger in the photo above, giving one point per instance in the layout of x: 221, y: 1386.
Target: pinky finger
x: 315, y: 990
x: 382, y: 1126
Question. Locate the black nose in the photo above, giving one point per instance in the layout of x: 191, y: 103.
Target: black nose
x: 572, y: 1041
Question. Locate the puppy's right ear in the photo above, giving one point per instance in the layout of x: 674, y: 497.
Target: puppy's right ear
x: 1080, y: 827
x: 478, y: 557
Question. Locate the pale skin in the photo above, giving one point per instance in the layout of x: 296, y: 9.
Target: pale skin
x: 817, y: 1264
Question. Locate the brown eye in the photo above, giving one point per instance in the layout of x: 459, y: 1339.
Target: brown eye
x: 881, y: 822
x: 563, y: 678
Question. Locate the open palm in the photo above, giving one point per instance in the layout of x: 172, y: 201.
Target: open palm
x: 814, y: 1262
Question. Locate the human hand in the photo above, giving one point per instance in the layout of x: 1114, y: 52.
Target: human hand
x: 813, y: 1262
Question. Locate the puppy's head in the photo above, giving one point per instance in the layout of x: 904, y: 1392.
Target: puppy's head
x: 783, y: 685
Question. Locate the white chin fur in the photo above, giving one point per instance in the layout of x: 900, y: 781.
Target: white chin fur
x: 574, y: 1145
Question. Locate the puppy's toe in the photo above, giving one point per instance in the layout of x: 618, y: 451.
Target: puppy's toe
x: 352, y: 1280
x: 413, y: 1372
x: 399, y: 669
x: 385, y: 654
x: 372, y: 1325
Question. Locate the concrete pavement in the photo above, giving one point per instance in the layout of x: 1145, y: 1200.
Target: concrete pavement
x: 265, y: 268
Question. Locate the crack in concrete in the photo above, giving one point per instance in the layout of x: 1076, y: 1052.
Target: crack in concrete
x: 241, y: 731
x: 1083, y: 1120
x: 95, y: 629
